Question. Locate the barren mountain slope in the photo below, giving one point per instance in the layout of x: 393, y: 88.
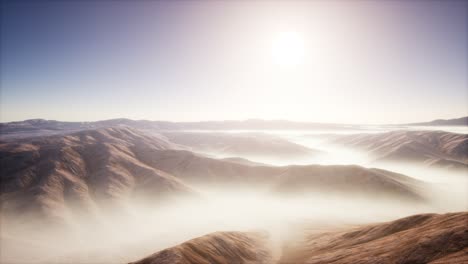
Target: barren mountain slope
x: 83, y: 171
x: 219, y: 248
x: 427, y: 238
x: 430, y: 147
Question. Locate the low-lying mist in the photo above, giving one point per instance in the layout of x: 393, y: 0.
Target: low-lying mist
x: 144, y: 228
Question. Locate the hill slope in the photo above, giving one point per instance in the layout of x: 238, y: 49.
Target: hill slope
x: 83, y: 171
x: 219, y: 248
x: 104, y: 168
x: 427, y: 238
x: 429, y: 147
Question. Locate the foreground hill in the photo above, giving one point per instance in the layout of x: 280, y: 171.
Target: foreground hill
x: 429, y: 147
x: 427, y: 238
x: 219, y: 248
x: 85, y: 171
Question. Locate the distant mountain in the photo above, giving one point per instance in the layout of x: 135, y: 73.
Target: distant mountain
x: 463, y: 121
x: 433, y: 148
x: 426, y: 238
x: 41, y: 127
x: 35, y: 127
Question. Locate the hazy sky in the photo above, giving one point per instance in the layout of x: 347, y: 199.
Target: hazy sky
x: 331, y: 61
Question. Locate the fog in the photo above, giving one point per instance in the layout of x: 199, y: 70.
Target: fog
x: 143, y: 228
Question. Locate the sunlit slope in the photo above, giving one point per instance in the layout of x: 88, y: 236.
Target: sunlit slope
x: 219, y: 248
x: 426, y: 238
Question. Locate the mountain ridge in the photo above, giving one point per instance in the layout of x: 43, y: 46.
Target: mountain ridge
x: 102, y: 166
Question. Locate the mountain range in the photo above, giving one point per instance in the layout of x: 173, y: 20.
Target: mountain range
x: 58, y: 174
x: 84, y: 171
x: 35, y: 127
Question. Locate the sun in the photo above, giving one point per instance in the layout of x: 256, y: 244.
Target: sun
x: 288, y: 48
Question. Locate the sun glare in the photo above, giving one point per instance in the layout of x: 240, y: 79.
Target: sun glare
x: 288, y: 48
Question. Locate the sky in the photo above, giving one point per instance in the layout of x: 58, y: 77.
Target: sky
x: 366, y: 62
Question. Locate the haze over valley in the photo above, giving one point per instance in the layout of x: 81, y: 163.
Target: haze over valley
x: 234, y: 132
x: 267, y: 186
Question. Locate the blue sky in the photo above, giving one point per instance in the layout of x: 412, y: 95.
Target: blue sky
x: 359, y: 61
